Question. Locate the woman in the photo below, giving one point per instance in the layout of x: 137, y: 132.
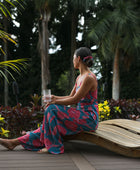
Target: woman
x: 60, y: 120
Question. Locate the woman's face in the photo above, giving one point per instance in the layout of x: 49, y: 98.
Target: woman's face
x: 75, y: 61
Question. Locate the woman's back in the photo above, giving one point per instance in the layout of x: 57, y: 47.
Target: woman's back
x: 88, y: 103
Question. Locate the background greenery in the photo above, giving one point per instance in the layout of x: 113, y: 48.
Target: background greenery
x: 60, y: 33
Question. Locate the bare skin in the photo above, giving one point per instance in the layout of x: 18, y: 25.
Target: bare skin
x: 9, y: 143
x: 44, y: 150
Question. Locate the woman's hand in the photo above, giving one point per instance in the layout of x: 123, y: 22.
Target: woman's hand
x: 52, y: 100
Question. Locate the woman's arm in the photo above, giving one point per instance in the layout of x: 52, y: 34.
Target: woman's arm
x: 87, y: 84
x: 54, y: 98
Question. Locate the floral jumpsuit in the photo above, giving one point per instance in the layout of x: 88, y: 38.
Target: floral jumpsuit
x: 61, y: 120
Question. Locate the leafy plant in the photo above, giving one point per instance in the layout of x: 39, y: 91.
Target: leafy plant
x: 63, y: 83
x: 3, y: 132
x: 104, y: 111
x: 117, y: 109
x: 5, y: 11
x: 14, y: 3
x: 15, y: 65
x: 35, y: 99
x: 123, y: 108
x: 20, y: 118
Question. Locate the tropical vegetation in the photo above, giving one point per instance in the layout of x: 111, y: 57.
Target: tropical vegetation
x: 117, y: 35
x: 110, y: 27
x: 6, y: 65
x: 3, y: 132
x: 27, y: 118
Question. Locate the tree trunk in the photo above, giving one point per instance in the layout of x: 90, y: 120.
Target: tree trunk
x: 116, y: 77
x: 74, y: 20
x: 44, y: 48
x: 5, y: 59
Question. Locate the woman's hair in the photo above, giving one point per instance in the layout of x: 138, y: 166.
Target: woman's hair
x: 85, y: 55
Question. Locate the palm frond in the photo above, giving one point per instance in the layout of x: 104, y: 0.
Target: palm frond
x: 3, y: 75
x: 83, y: 4
x: 4, y: 35
x: 117, y: 26
x: 98, y: 30
x: 17, y: 66
x: 2, y: 51
x: 5, y: 10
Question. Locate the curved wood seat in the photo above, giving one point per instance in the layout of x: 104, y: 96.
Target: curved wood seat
x: 119, y: 135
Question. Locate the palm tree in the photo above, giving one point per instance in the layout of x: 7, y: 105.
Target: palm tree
x: 117, y: 34
x: 45, y: 7
x: 14, y: 64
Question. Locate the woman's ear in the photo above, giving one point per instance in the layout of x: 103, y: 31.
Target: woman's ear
x: 78, y: 58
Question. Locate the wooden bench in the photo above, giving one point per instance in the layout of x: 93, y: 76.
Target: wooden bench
x: 119, y: 135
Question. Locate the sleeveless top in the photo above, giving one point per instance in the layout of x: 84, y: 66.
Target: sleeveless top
x: 89, y: 103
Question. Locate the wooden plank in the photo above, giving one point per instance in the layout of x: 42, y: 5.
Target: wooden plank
x: 118, y: 135
x: 79, y: 160
x: 118, y: 139
x: 124, y: 123
x: 120, y: 131
x: 106, y: 143
x: 25, y: 160
x: 101, y: 158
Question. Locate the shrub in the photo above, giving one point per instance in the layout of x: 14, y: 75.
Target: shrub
x: 104, y: 111
x: 126, y: 109
x: 20, y: 118
x: 3, y: 132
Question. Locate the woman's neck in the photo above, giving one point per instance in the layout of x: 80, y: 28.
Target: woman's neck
x: 83, y: 69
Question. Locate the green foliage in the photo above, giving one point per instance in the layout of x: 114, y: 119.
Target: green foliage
x: 35, y: 99
x: 5, y: 36
x: 46, y: 4
x: 122, y: 19
x: 14, y: 3
x: 20, y: 118
x: 17, y: 66
x: 60, y: 29
x: 29, y: 82
x: 111, y: 30
x: 3, y: 132
x: 124, y: 108
x: 63, y: 83
x: 6, y: 12
x: 104, y: 111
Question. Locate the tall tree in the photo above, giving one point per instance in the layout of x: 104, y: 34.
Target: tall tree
x: 117, y: 34
x: 44, y: 7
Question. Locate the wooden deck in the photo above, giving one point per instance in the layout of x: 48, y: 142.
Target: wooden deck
x: 78, y: 156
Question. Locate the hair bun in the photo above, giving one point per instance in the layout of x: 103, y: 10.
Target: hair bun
x: 85, y: 55
x: 88, y: 60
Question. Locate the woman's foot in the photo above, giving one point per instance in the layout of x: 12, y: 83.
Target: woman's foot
x: 44, y: 150
x: 25, y: 132
x: 8, y: 143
